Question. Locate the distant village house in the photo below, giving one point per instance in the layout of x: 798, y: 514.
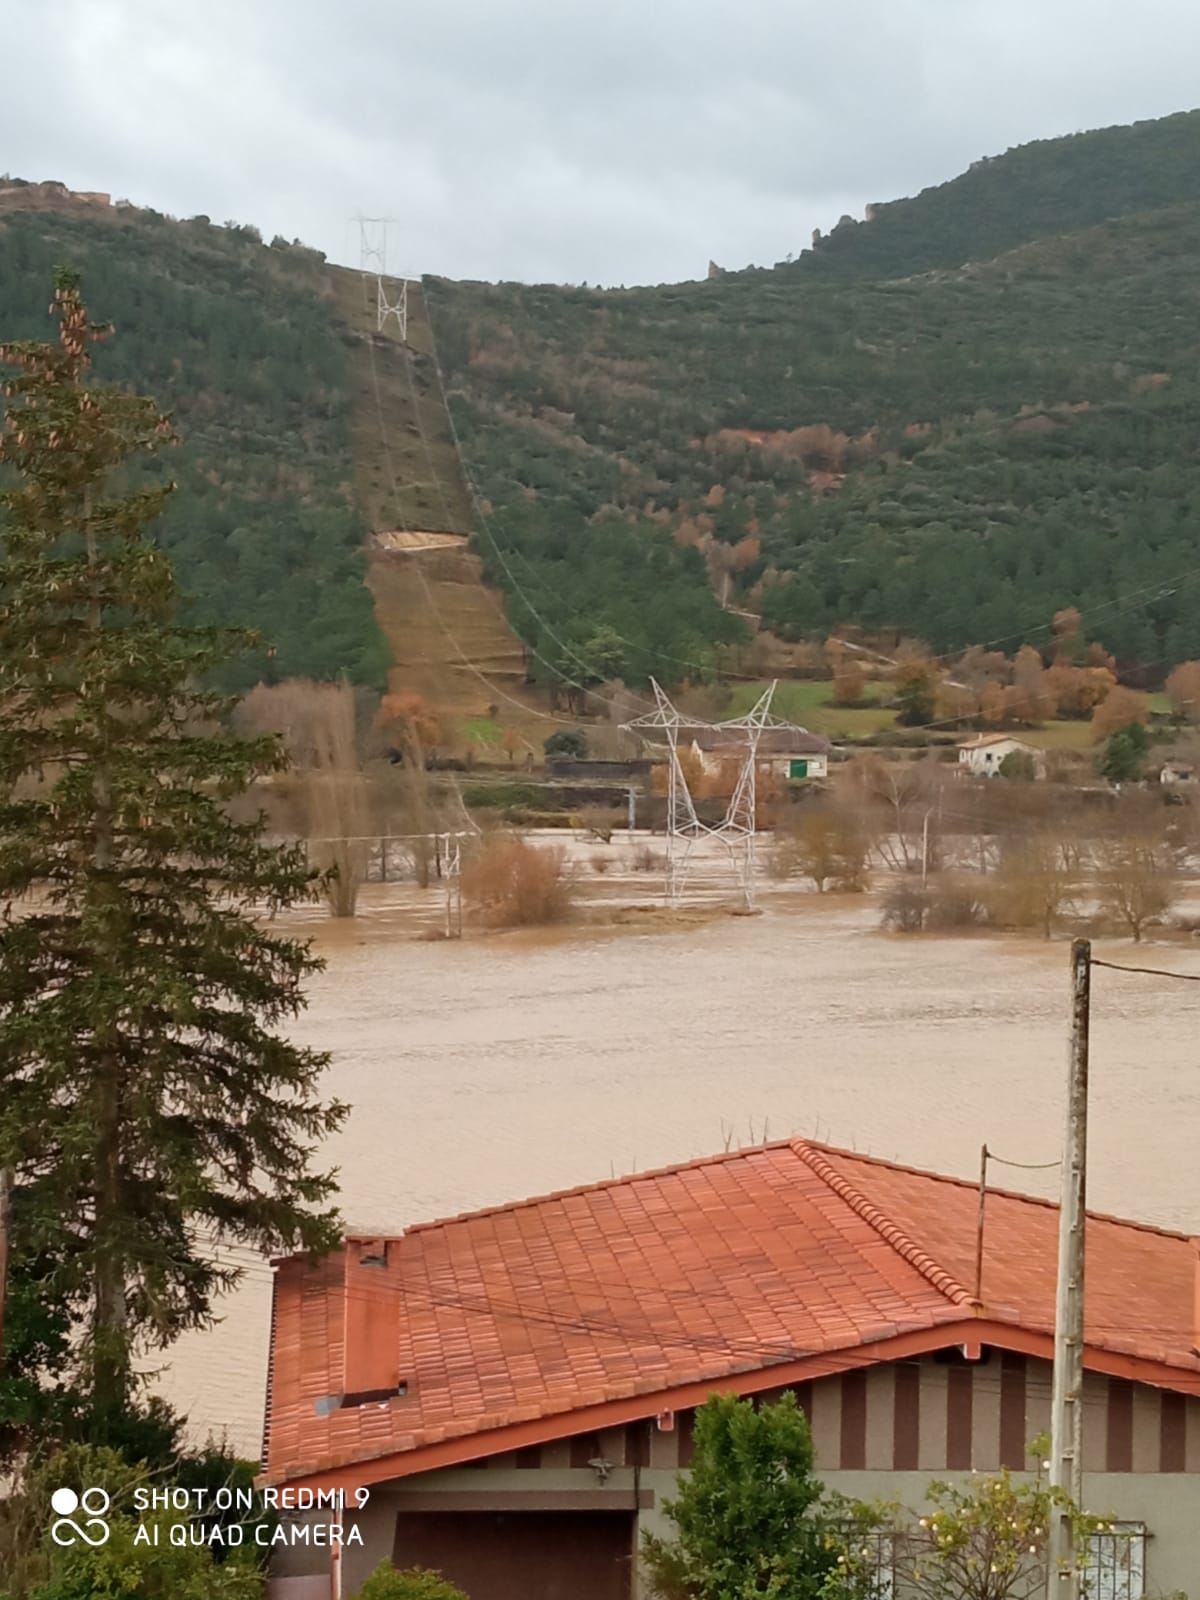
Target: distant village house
x: 983, y: 755
x: 791, y: 755
x: 1175, y: 772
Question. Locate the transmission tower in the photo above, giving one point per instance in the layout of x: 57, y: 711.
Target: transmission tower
x: 372, y: 233
x: 737, y: 828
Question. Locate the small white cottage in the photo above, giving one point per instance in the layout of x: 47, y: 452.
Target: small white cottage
x: 983, y: 754
x: 1174, y: 772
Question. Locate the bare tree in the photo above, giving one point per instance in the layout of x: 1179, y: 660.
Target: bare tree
x: 826, y: 845
x: 318, y: 722
x: 417, y: 730
x: 1034, y: 887
x: 1136, y: 875
x: 905, y: 798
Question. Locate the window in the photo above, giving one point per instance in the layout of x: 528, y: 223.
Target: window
x: 1115, y: 1560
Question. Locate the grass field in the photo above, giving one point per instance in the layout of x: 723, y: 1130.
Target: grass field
x: 808, y: 701
x: 1059, y: 736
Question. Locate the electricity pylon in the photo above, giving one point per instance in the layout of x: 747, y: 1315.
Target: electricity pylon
x: 737, y: 828
x: 372, y: 233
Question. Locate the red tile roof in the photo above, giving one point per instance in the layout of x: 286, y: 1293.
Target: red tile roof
x: 747, y: 1270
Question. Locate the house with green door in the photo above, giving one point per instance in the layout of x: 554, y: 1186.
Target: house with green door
x: 791, y: 754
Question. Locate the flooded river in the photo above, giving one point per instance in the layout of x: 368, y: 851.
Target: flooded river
x: 501, y: 1067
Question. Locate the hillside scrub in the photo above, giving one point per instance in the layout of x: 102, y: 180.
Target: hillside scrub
x: 513, y: 884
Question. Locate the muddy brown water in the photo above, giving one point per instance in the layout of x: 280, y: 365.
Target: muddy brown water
x: 496, y: 1068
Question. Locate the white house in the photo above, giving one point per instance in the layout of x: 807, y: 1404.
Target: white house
x: 983, y: 754
x: 1174, y: 772
x: 787, y: 753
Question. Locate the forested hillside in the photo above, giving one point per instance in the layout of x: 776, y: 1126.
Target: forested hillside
x: 1036, y: 191
x: 955, y: 455
x: 242, y: 345
x: 953, y: 420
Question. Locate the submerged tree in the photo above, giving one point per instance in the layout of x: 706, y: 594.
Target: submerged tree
x: 148, y: 1105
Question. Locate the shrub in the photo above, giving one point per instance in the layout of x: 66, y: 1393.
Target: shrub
x: 904, y: 908
x: 1124, y: 754
x: 647, y: 860
x: 414, y: 1583
x: 749, y: 1519
x: 954, y: 905
x: 1020, y: 765
x: 498, y: 796
x: 570, y: 743
x: 512, y: 884
x: 825, y: 846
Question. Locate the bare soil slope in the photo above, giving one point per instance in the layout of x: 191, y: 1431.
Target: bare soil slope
x: 448, y: 634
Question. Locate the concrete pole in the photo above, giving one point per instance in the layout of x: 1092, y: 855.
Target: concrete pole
x: 1066, y: 1406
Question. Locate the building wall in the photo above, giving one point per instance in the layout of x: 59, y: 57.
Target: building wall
x: 881, y: 1432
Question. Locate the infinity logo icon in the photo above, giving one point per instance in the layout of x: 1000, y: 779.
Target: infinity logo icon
x: 94, y: 1503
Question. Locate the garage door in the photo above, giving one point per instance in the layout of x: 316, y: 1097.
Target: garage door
x: 523, y: 1555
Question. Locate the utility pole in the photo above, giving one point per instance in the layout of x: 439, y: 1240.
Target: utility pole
x: 1066, y: 1406
x: 6, y: 1187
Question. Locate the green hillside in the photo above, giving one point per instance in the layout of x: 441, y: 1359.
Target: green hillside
x: 950, y: 421
x: 240, y: 342
x: 954, y: 455
x: 1036, y: 191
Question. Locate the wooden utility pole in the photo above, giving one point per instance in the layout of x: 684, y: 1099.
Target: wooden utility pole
x: 1066, y: 1406
x: 6, y: 1187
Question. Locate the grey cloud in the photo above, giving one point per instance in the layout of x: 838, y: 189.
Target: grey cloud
x: 624, y: 141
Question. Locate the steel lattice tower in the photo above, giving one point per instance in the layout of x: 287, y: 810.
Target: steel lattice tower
x: 372, y: 233
x: 737, y: 829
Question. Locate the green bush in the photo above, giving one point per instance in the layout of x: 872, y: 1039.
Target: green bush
x: 501, y: 796
x: 414, y: 1583
x: 569, y: 742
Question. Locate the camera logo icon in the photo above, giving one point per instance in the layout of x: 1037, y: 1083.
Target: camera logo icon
x: 93, y: 1505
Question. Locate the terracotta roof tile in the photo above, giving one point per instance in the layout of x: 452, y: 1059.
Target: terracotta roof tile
x: 680, y: 1276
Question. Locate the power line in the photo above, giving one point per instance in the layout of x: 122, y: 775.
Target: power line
x: 1156, y: 589
x: 492, y: 687
x: 1152, y: 972
x: 1025, y: 1166
x: 485, y: 524
x: 1127, y: 602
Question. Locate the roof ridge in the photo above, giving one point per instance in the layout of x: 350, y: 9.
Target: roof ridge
x: 815, y: 1157
x: 806, y: 1149
x: 993, y: 1189
x: 597, y: 1184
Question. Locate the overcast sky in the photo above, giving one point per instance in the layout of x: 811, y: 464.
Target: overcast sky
x: 599, y: 141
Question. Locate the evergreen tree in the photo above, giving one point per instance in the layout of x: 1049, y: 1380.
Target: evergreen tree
x: 748, y: 1517
x: 1124, y: 754
x: 148, y: 1105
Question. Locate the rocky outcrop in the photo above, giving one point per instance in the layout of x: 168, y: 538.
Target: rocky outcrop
x: 18, y: 195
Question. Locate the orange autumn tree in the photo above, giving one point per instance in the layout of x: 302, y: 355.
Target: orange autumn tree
x: 417, y: 726
x: 1121, y: 708
x: 1183, y: 690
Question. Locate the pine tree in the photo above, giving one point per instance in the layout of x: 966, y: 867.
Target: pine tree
x: 148, y: 1104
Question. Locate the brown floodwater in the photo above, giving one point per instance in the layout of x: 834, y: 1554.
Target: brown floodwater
x: 508, y: 1065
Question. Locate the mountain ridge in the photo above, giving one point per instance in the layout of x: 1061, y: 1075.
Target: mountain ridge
x: 898, y: 430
